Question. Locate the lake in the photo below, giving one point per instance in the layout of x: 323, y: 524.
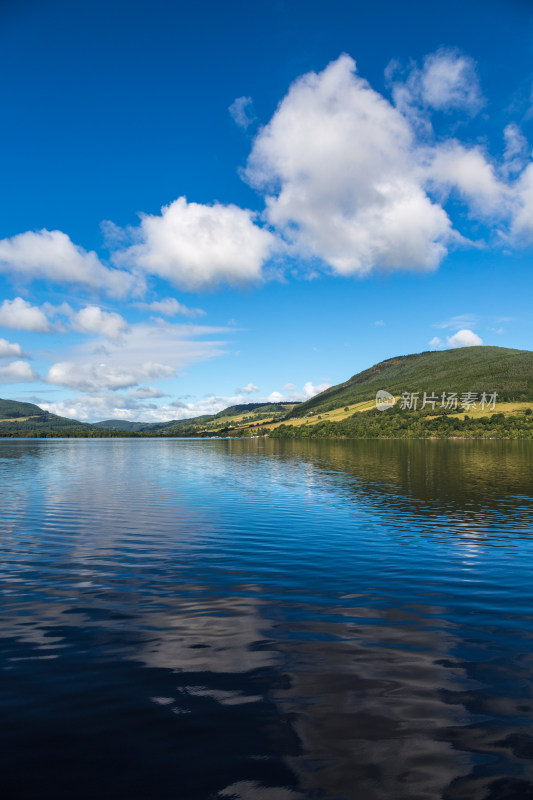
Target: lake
x: 266, y: 620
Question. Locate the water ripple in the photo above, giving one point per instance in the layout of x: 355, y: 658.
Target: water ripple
x: 278, y: 620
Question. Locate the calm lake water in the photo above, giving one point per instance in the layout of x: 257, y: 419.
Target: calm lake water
x: 266, y: 620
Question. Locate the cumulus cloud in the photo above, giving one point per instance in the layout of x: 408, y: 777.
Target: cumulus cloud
x: 169, y: 307
x: 275, y: 397
x: 195, y: 246
x: 291, y: 393
x: 250, y: 388
x: 310, y: 390
x: 17, y: 372
x: 337, y: 167
x: 352, y: 183
x: 453, y: 166
x: 464, y: 338
x: 242, y: 112
x: 90, y: 377
x: 53, y: 256
x: 435, y: 342
x: 92, y: 319
x: 10, y: 349
x: 21, y: 315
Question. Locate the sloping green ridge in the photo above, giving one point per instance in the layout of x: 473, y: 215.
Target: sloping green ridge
x: 11, y: 412
x: 12, y: 409
x: 467, y: 369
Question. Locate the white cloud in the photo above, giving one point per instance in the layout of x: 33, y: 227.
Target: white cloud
x: 352, y: 184
x: 242, y: 112
x: 144, y: 352
x: 17, y: 372
x: 20, y: 314
x: 275, y: 397
x: 170, y: 307
x: 135, y: 404
x: 522, y: 224
x: 447, y: 81
x: 310, y: 390
x: 90, y: 377
x: 516, y: 149
x: 10, y: 349
x: 250, y: 388
x: 464, y: 338
x: 291, y: 394
x: 435, y: 342
x: 337, y: 165
x: 379, y: 323
x: 53, y: 256
x: 467, y: 169
x: 129, y: 405
x: 197, y: 246
x: 92, y: 319
x: 132, y: 406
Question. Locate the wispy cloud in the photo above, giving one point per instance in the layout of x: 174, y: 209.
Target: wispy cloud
x: 143, y: 352
x: 458, y: 322
x: 242, y: 112
x: 170, y: 307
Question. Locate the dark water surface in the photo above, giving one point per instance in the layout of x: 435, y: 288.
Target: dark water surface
x: 266, y: 620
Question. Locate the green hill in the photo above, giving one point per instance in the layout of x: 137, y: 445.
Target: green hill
x: 12, y: 409
x: 21, y: 418
x: 120, y: 425
x: 467, y: 369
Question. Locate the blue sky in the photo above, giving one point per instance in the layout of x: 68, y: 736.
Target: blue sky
x: 213, y: 203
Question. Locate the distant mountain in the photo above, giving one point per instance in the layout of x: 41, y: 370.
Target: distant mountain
x: 251, y: 412
x: 467, y: 369
x: 119, y: 425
